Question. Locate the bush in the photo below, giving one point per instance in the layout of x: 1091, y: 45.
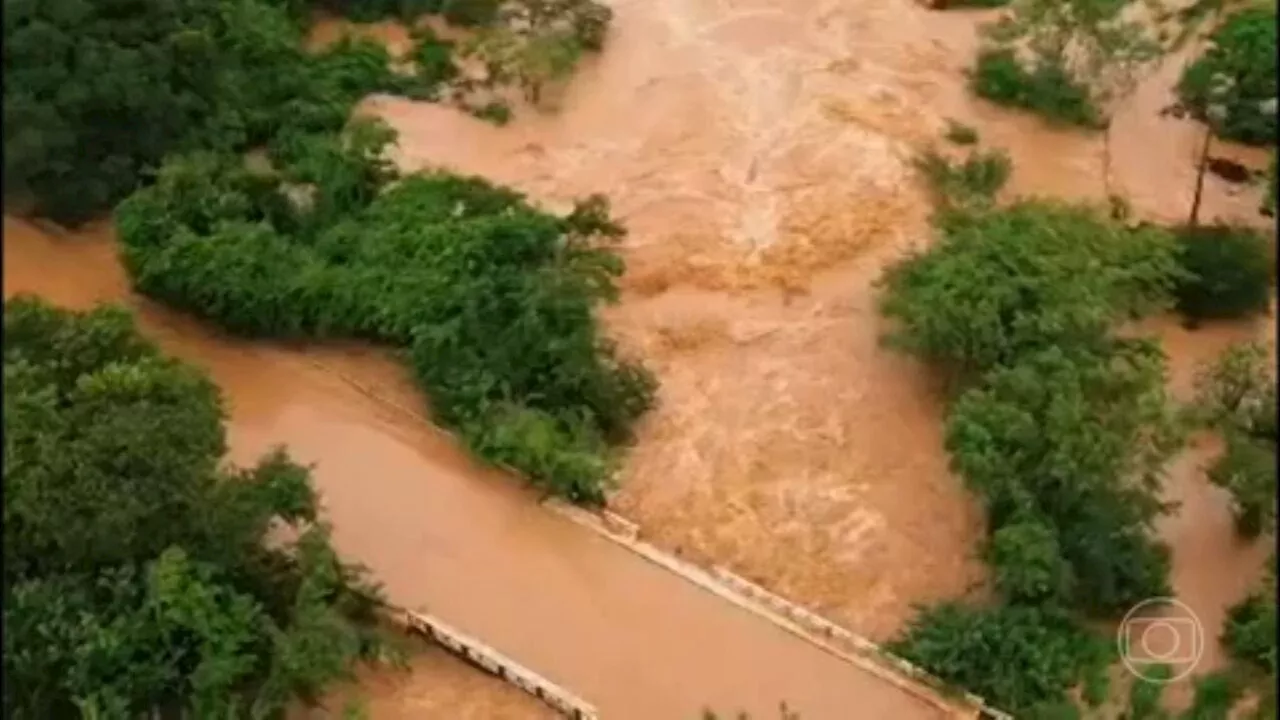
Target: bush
x: 1242, y: 52
x: 1145, y: 694
x: 1028, y: 563
x: 1248, y: 471
x: 1046, y: 89
x: 1076, y: 441
x: 1228, y: 272
x: 1015, y: 657
x: 146, y: 586
x: 972, y: 184
x: 96, y: 99
x: 1236, y: 393
x: 470, y: 13
x: 493, y: 299
x: 1215, y: 695
x: 1001, y: 284
x: 960, y: 134
x: 1250, y: 632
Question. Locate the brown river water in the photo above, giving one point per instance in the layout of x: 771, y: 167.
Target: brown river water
x: 758, y: 151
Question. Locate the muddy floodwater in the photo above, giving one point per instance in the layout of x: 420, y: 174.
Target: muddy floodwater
x: 468, y: 545
x: 759, y: 153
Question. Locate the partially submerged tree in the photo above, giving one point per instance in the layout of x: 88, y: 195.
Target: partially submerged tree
x: 1237, y: 396
x: 1064, y: 59
x: 1237, y: 74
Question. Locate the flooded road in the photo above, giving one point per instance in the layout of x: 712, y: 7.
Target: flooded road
x: 467, y: 544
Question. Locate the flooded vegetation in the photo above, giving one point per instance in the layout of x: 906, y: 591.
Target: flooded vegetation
x: 764, y: 160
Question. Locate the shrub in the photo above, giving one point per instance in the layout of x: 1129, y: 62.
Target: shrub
x: 1000, y: 284
x: 493, y: 299
x: 1250, y: 632
x: 1076, y: 441
x: 470, y: 13
x: 1145, y: 693
x: 969, y: 185
x: 1015, y: 657
x: 434, y: 62
x: 1248, y: 471
x: 1236, y: 393
x: 1046, y: 89
x: 147, y: 587
x: 1242, y: 52
x: 1028, y: 563
x: 960, y: 134
x: 1228, y: 272
x: 84, y: 128
x: 1215, y: 695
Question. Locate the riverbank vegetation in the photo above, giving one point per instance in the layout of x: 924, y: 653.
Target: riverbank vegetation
x: 1237, y: 74
x: 1059, y: 424
x: 1065, y: 61
x: 143, y: 576
x: 1230, y: 272
x: 491, y: 299
x: 97, y: 95
x: 1236, y: 399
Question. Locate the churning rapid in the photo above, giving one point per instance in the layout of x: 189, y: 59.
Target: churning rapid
x: 759, y: 153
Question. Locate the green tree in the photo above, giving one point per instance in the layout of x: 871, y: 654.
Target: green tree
x: 1028, y: 563
x: 138, y: 579
x: 1015, y: 657
x: 97, y: 94
x: 1064, y: 59
x: 1236, y: 395
x: 1242, y: 55
x: 1078, y: 441
x: 1039, y: 274
x: 1229, y: 272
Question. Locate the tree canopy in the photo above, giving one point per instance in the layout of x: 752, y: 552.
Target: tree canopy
x: 492, y: 297
x: 142, y: 575
x: 1059, y: 425
x: 1238, y: 72
x: 97, y: 94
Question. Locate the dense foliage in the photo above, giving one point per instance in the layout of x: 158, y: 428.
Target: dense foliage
x: 1238, y: 73
x: 1060, y: 426
x: 137, y: 576
x: 1237, y: 397
x: 1013, y: 657
x: 96, y: 94
x: 1044, y: 87
x: 492, y: 298
x: 1064, y: 60
x: 1229, y: 272
x: 998, y: 286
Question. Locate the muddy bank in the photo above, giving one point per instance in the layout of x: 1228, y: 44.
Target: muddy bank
x: 468, y: 544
